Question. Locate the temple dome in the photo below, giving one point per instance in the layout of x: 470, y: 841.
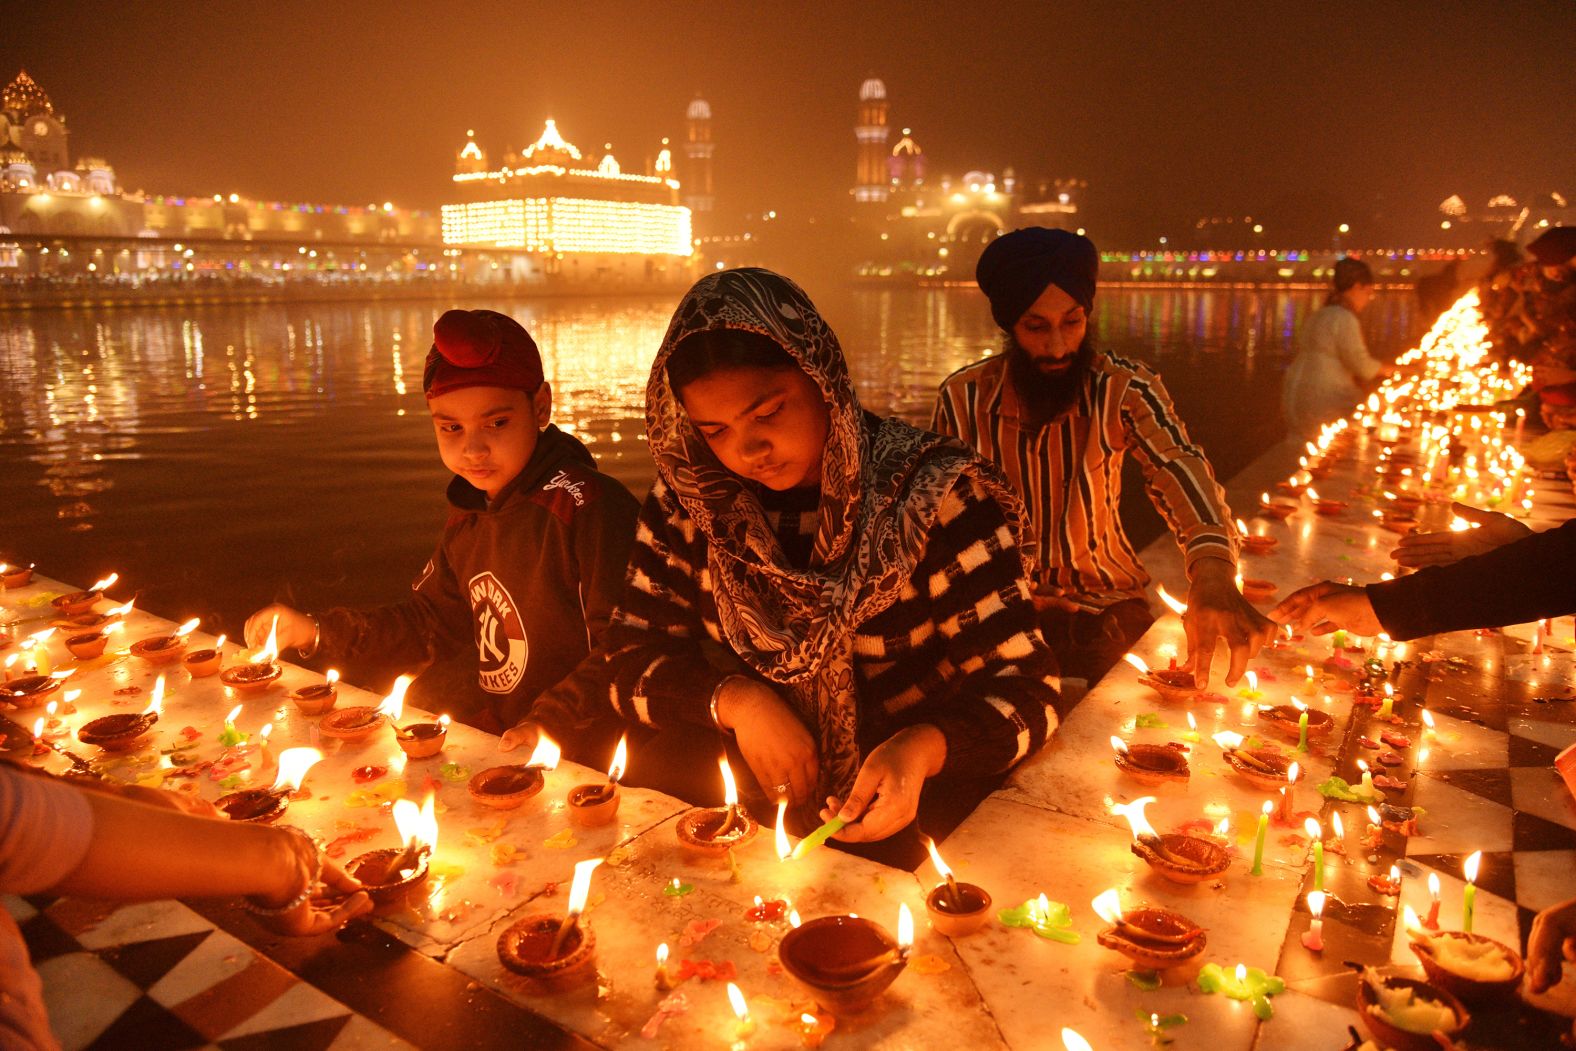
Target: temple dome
x: 699, y: 109
x: 23, y: 95
x: 872, y: 90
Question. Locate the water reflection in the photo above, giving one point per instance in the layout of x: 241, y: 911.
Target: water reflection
x: 220, y: 457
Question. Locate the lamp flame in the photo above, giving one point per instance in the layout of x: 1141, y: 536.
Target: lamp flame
x: 1291, y: 773
x: 1474, y: 860
x: 1242, y: 972
x: 121, y: 611
x: 1134, y: 812
x: 1136, y: 661
x: 935, y: 858
x: 331, y: 678
x: 270, y: 651
x: 1253, y: 682
x: 784, y: 848
x: 1108, y: 906
x: 730, y: 791
x: 1373, y: 816
x: 156, y: 706
x: 187, y: 628
x: 1311, y: 826
x: 740, y: 1008
x: 793, y: 918
x: 1433, y: 885
x: 615, y: 772
x: 293, y: 765
x: 1228, y: 740
x: 417, y: 825
x: 107, y: 582
x: 1316, y: 903
x: 393, y: 705
x: 1335, y: 823
x: 546, y: 754
x: 1119, y: 745
x: 1410, y: 921
x: 662, y: 954
x: 580, y: 889
x: 1267, y: 808
x: 230, y: 719
x: 1073, y: 1041
x: 1428, y: 719
x: 218, y: 644
x: 905, y: 928
x: 1179, y: 608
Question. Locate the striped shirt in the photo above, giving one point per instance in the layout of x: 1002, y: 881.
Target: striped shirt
x: 1069, y: 472
x: 960, y: 649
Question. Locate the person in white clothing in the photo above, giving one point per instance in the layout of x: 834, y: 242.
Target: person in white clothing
x: 1325, y: 379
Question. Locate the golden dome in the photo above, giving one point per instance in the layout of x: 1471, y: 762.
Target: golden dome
x: 24, y: 95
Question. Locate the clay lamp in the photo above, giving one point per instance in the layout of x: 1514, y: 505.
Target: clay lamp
x: 165, y: 649
x: 1179, y: 858
x: 1281, y: 509
x: 955, y: 909
x: 265, y: 805
x: 1404, y: 1014
x: 355, y: 724
x: 1475, y: 969
x: 30, y: 691
x: 594, y: 805
x: 318, y: 697
x: 508, y: 787
x: 90, y: 644
x: 1153, y: 939
x: 391, y: 874
x: 1174, y: 685
x: 259, y: 673
x: 557, y: 954
x: 1404, y: 503
x: 712, y: 832
x: 1291, y: 487
x: 845, y: 962
x: 74, y: 603
x: 1255, y: 543
x: 15, y: 576
x: 1397, y: 523
x: 122, y: 733
x: 1264, y: 768
x: 202, y: 663
x: 422, y: 740
x: 1287, y: 719
x: 1152, y: 764
x: 1256, y: 589
x: 1325, y: 505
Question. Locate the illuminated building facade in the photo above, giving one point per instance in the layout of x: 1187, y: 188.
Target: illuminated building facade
x: 871, y: 133
x: 563, y: 215
x: 698, y: 147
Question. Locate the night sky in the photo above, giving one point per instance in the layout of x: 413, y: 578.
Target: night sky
x: 1301, y: 115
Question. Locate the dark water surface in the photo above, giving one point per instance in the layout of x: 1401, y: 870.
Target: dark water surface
x: 222, y: 457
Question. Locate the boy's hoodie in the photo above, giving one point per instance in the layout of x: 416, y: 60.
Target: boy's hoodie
x: 529, y: 579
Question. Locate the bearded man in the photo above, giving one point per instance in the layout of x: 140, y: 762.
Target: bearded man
x: 1058, y: 416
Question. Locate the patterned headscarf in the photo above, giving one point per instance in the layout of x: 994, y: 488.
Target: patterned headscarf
x: 882, y: 484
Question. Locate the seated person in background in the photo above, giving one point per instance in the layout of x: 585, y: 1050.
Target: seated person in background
x: 1513, y: 583
x: 1059, y: 416
x: 136, y: 846
x: 531, y: 560
x: 862, y: 579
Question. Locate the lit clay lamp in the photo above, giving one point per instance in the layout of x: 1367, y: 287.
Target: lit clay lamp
x: 1257, y: 589
x: 422, y: 740
x: 712, y: 832
x: 259, y: 673
x: 845, y: 962
x: 1154, y: 939
x: 1399, y: 522
x: 200, y: 664
x: 955, y: 909
x: 1287, y: 719
x: 122, y: 733
x: 90, y: 621
x: 318, y: 697
x: 30, y: 691
x: 1476, y: 969
x: 1263, y: 768
x: 1179, y: 858
x: 164, y: 649
x: 1281, y: 509
x: 1403, y: 1014
x: 1255, y: 543
x: 1325, y: 505
x: 75, y: 603
x: 265, y: 805
x: 1151, y: 764
x: 594, y: 805
x: 1405, y: 503
x: 508, y: 787
x: 1174, y: 685
x: 557, y: 954
x: 15, y: 576
x: 389, y: 875
x: 355, y: 724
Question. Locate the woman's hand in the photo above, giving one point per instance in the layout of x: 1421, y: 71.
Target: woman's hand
x: 342, y: 898
x: 1442, y: 548
x: 1328, y: 606
x: 297, y: 631
x: 1553, y: 941
x: 779, y: 749
x: 523, y: 734
x: 885, y: 796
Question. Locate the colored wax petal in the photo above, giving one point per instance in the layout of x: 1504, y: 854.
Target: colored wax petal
x: 619, y: 856
x: 455, y: 772
x: 233, y: 782
x: 445, y: 870
x: 376, y: 795
x: 1053, y: 923
x: 767, y: 911
x: 487, y: 833
x: 505, y: 883
x: 696, y: 932
x: 560, y: 840
x: 336, y: 847
x: 1151, y: 721
x: 929, y: 963
x: 678, y: 890
x: 364, y: 775
x: 1336, y: 787
x: 673, y: 1004
x: 191, y: 733
x: 707, y: 970
x: 505, y: 854
x: 761, y: 941
x: 1148, y: 981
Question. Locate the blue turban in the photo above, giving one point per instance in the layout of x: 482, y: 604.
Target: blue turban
x: 1017, y: 268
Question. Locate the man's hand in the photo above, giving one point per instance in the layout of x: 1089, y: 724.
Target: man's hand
x: 780, y: 751
x: 344, y: 901
x: 1552, y: 942
x: 297, y: 631
x: 523, y: 734
x: 1328, y: 606
x: 1442, y: 548
x: 1216, y: 610
x: 885, y: 796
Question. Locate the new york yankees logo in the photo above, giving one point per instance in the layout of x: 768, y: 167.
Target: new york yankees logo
x: 501, y: 646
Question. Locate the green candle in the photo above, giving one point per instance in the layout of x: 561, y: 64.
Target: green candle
x: 1316, y: 834
x: 1389, y: 701
x: 1471, y: 871
x: 1258, y: 843
x: 1302, y: 731
x: 818, y: 837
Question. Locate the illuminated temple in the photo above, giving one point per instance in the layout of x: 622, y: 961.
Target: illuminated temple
x: 577, y: 215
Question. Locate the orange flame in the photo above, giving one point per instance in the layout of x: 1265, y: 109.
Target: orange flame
x: 1108, y: 906
x: 935, y: 858
x: 1179, y: 608
x: 156, y: 706
x: 1136, y: 661
x: 1134, y: 812
x: 730, y: 791
x: 580, y: 889
x: 784, y: 850
x: 293, y: 765
x: 393, y: 705
x: 546, y: 754
x: 187, y: 628
x: 615, y: 772
x: 905, y: 927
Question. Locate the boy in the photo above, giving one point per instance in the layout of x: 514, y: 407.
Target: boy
x: 531, y: 560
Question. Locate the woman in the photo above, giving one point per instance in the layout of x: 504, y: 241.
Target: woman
x: 863, y: 578
x: 1324, y: 380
